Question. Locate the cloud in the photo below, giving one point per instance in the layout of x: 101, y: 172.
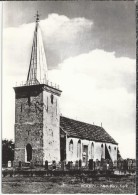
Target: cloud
x: 97, y: 86
x: 61, y: 28
x: 59, y: 33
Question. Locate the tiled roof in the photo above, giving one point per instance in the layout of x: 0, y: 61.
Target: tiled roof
x: 83, y: 130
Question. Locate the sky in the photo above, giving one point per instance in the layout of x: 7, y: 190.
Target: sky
x: 90, y: 51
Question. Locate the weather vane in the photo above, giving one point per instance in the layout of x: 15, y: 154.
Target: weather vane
x: 37, y: 16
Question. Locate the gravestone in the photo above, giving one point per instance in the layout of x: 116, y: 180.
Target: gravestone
x: 46, y: 165
x: 20, y: 164
x: 77, y: 164
x: 80, y: 163
x: 54, y: 164
x: 91, y: 164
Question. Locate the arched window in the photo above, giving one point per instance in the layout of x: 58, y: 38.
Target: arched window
x: 114, y: 148
x: 79, y: 149
x: 109, y: 148
x: 92, y: 150
x: 29, y: 152
x: 102, y: 151
x: 71, y: 146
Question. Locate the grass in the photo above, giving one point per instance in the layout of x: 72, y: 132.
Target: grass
x: 66, y: 184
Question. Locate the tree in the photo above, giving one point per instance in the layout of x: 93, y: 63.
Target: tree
x: 7, y: 151
x: 118, y: 154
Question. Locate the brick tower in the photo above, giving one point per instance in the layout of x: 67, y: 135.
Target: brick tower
x: 37, y: 114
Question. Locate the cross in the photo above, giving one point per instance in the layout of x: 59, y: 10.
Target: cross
x: 37, y: 16
x: 28, y: 131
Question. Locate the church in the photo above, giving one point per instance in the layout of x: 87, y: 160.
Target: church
x: 41, y: 133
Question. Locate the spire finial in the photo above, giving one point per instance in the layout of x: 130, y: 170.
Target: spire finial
x: 37, y: 16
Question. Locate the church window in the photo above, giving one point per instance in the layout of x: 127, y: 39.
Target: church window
x: 110, y: 148
x: 114, y: 148
x: 102, y: 152
x: 71, y: 146
x: 79, y: 149
x: 92, y: 150
x: 52, y: 98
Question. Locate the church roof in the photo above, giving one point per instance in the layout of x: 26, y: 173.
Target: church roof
x: 83, y: 130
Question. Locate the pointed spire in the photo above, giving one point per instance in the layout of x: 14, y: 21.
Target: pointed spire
x: 38, y: 66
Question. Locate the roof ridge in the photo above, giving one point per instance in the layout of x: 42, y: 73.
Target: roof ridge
x: 82, y: 122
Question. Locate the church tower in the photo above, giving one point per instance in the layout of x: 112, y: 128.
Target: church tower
x: 37, y: 114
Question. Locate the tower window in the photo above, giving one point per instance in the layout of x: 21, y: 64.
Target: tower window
x: 101, y: 145
x: 21, y: 107
x: 114, y: 148
x: 52, y: 98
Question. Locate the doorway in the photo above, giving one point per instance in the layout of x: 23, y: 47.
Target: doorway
x: 29, y: 152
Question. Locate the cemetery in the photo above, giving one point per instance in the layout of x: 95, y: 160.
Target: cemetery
x: 99, y: 175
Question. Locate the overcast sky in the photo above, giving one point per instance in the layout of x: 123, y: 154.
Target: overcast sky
x: 90, y: 50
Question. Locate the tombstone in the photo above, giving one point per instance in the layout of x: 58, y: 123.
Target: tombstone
x: 46, y: 165
x: 9, y: 164
x: 91, y: 164
x: 125, y: 166
x: 31, y: 165
x: 104, y: 165
x: 77, y: 164
x: 115, y: 164
x: 71, y: 164
x: 63, y: 165
x: 119, y: 165
x: 134, y: 165
x: 129, y: 164
x: 68, y: 164
x: 80, y: 163
x: 97, y: 164
x: 54, y: 164
x: 110, y: 165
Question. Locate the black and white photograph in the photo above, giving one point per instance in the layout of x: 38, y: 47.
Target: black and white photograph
x: 68, y: 97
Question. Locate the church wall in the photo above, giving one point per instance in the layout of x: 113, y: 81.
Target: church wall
x: 97, y: 152
x: 112, y: 151
x: 51, y: 127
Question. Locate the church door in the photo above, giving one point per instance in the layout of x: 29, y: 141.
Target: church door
x: 85, y: 155
x: 29, y: 152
